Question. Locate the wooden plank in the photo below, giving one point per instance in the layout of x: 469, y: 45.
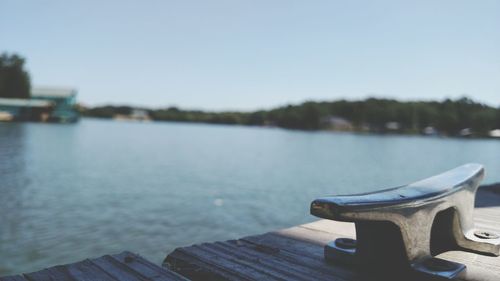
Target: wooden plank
x: 192, y: 267
x: 296, y: 253
x: 209, y: 265
x: 303, y: 253
x: 144, y: 268
x: 292, y: 265
x: 268, y: 264
x: 80, y: 271
x: 116, y: 270
x: 13, y: 278
x: 85, y: 271
x: 47, y: 275
x: 124, y: 267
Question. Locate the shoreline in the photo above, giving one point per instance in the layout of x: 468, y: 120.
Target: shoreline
x: 357, y: 132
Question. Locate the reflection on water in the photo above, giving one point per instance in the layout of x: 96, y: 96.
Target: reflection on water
x: 74, y: 191
x: 13, y: 186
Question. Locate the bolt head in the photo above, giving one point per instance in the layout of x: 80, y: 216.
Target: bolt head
x: 345, y: 243
x: 485, y: 234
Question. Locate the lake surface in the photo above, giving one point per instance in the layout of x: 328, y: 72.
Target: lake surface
x: 69, y: 192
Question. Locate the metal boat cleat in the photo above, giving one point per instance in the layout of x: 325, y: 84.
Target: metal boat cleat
x: 402, y: 229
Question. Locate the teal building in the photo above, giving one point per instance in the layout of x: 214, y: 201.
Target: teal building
x: 24, y: 109
x: 45, y: 105
x: 63, y: 102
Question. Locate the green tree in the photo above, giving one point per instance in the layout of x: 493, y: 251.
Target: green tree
x: 497, y: 125
x: 14, y: 79
x: 483, y: 121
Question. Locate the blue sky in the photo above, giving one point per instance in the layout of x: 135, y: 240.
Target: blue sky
x: 232, y: 54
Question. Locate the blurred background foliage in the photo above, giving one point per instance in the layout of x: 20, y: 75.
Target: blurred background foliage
x: 14, y: 79
x: 448, y: 117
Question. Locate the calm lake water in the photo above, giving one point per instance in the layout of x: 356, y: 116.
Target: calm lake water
x: 69, y: 192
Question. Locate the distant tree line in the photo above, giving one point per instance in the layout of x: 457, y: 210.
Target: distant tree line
x: 14, y: 79
x: 448, y: 117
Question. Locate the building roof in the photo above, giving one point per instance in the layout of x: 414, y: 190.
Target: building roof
x: 52, y: 92
x: 24, y: 102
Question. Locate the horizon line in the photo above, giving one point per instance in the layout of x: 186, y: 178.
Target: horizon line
x: 290, y: 103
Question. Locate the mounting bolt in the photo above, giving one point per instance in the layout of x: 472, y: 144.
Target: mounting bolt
x: 341, y: 250
x: 345, y: 243
x: 485, y: 234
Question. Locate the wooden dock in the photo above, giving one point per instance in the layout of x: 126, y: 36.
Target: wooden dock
x: 290, y: 254
x: 125, y: 266
x: 297, y: 253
